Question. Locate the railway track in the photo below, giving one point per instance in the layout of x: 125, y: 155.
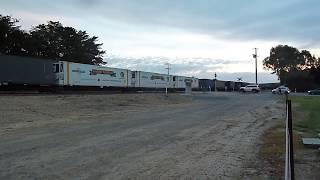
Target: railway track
x: 91, y: 92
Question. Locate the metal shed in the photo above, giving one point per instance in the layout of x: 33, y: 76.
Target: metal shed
x: 206, y: 84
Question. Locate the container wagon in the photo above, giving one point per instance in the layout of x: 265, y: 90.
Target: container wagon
x: 195, y: 83
x: 75, y: 74
x: 15, y: 71
x: 178, y: 82
x: 141, y: 79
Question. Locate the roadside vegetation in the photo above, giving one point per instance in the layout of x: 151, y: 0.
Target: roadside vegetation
x: 306, y: 123
x: 272, y: 150
x: 298, y: 69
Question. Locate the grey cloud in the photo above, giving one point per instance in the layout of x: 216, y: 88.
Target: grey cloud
x: 286, y: 20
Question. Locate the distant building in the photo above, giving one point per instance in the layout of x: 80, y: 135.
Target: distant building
x: 206, y: 84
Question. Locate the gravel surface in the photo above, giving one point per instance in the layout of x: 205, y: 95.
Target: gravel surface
x: 135, y: 136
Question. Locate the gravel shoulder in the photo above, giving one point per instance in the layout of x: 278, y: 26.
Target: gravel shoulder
x: 134, y: 136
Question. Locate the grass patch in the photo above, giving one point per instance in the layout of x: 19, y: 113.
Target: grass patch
x: 306, y: 122
x: 273, y: 148
x: 309, y: 123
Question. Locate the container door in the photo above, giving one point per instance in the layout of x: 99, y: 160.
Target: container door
x: 58, y: 69
x: 133, y: 78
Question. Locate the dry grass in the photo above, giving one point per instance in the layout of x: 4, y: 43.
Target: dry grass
x: 42, y: 110
x: 273, y: 150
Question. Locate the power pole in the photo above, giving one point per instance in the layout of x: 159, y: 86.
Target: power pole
x: 215, y: 82
x: 255, y: 56
x: 168, y: 79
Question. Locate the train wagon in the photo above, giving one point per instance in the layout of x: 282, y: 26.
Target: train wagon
x: 195, y: 83
x: 15, y: 70
x: 178, y: 82
x: 75, y: 74
x: 141, y: 79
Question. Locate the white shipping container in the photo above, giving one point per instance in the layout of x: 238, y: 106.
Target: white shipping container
x: 195, y: 83
x: 179, y: 82
x: 75, y: 74
x: 151, y: 80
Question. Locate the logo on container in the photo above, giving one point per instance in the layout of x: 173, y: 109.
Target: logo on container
x: 153, y: 77
x: 96, y: 71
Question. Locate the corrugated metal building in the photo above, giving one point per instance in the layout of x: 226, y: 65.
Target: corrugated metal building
x: 206, y: 84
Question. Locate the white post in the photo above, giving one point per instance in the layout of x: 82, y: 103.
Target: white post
x: 168, y: 80
x: 215, y: 82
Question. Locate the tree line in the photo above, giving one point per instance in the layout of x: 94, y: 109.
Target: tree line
x: 50, y: 41
x: 297, y: 69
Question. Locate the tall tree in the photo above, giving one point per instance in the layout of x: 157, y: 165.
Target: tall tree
x: 283, y: 59
x: 12, y: 39
x: 315, y: 71
x: 299, y: 70
x: 54, y: 41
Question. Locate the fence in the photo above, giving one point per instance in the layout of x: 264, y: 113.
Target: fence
x: 289, y: 164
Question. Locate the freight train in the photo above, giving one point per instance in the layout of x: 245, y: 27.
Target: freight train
x: 22, y: 71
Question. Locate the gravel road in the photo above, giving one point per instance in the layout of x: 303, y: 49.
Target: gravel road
x: 205, y: 136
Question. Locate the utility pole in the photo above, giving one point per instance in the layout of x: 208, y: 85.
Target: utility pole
x: 255, y: 56
x: 215, y: 82
x: 168, y: 79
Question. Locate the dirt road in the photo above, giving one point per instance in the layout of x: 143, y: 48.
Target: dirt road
x: 203, y: 136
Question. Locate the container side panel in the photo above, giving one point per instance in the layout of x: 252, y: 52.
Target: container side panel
x: 154, y: 80
x: 90, y: 75
x: 23, y: 70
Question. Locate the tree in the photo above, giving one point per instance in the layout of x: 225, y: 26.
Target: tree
x: 12, y: 39
x: 309, y: 60
x: 315, y: 73
x: 284, y: 59
x: 54, y: 41
x: 298, y: 70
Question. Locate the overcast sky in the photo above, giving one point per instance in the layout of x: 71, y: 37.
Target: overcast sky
x: 198, y: 37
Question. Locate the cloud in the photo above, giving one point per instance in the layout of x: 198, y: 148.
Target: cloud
x: 289, y: 20
x: 197, y: 67
x: 286, y: 20
x: 221, y: 33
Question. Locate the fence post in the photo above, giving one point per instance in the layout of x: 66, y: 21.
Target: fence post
x: 291, y: 139
x: 289, y: 169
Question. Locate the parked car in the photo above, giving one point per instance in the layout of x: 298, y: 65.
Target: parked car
x: 250, y: 88
x: 314, y: 92
x: 281, y: 90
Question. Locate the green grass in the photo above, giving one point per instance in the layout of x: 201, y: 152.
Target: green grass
x: 309, y: 123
